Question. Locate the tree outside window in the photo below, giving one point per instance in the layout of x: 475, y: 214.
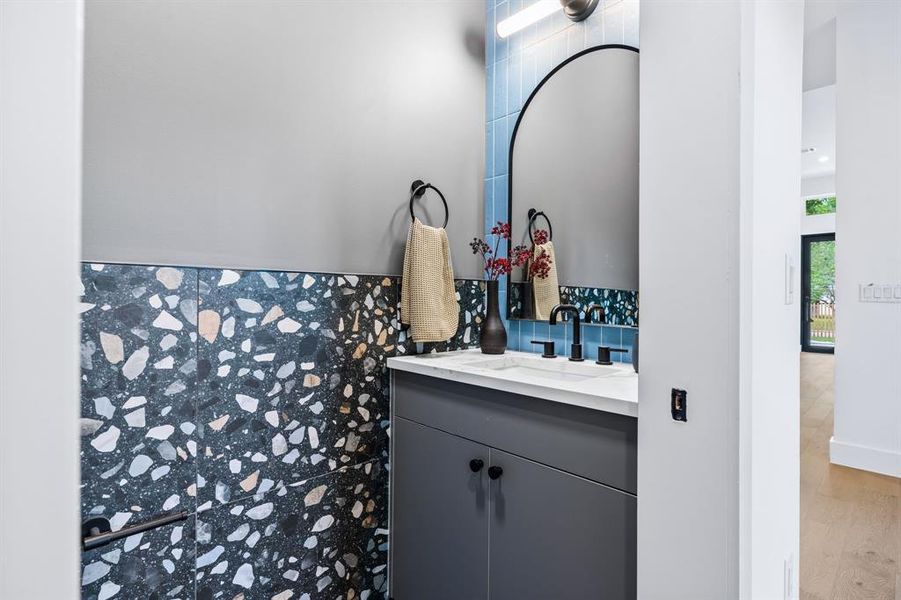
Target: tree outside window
x: 822, y: 205
x: 822, y: 292
x: 822, y: 272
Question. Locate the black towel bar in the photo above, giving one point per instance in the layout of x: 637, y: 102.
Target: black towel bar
x: 105, y: 536
x: 534, y: 214
x: 418, y: 189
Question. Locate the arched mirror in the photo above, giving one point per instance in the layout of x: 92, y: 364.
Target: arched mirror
x: 573, y: 173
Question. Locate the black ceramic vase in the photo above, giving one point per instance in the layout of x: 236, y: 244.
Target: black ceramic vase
x: 493, y: 338
x: 528, y: 300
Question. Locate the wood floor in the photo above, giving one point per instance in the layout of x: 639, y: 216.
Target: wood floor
x: 850, y: 519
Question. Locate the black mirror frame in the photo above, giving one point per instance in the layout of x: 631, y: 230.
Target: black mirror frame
x: 522, y: 113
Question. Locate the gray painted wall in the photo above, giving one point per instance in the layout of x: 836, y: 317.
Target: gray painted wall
x: 280, y: 135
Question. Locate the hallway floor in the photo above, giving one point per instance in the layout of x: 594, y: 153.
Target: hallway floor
x: 850, y: 519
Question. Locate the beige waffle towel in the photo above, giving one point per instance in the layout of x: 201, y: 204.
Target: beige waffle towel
x: 547, y: 291
x: 428, y: 298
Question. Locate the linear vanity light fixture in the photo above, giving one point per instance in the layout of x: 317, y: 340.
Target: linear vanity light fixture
x: 576, y: 10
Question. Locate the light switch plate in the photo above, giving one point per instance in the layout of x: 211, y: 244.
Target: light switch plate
x: 789, y: 279
x: 880, y: 292
x: 788, y: 578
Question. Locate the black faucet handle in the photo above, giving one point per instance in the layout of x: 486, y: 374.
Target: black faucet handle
x: 604, y: 354
x: 549, y: 349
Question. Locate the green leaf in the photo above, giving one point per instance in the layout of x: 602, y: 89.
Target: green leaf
x: 820, y: 206
x: 822, y: 271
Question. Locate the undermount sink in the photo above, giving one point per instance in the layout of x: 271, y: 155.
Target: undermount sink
x: 599, y: 387
x: 552, y: 369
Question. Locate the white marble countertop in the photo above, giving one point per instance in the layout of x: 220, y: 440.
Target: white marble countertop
x: 611, y: 389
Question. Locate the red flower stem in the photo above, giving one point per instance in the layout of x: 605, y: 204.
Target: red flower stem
x: 497, y: 241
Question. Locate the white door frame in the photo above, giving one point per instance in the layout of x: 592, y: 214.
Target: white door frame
x: 40, y: 222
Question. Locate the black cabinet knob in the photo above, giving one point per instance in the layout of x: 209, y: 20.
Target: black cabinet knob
x: 495, y: 472
x: 476, y: 464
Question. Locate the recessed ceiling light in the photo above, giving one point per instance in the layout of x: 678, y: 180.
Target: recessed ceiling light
x: 823, y: 159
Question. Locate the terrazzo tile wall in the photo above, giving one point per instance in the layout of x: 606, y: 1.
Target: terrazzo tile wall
x: 620, y: 306
x: 514, y: 66
x: 255, y: 401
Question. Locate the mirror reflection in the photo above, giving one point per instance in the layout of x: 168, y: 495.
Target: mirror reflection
x: 573, y: 190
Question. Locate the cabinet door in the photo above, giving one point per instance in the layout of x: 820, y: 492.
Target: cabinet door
x: 556, y: 535
x: 439, y: 526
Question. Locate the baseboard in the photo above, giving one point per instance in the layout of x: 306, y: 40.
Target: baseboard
x: 875, y: 460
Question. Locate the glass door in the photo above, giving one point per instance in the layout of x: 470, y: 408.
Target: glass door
x: 818, y: 293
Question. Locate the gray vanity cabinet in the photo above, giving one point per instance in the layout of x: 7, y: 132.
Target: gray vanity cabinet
x: 549, y: 513
x: 439, y: 529
x: 552, y: 532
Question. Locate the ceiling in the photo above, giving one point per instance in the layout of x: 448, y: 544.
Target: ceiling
x: 818, y: 128
x: 818, y: 131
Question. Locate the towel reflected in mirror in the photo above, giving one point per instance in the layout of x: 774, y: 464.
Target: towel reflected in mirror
x: 543, y: 272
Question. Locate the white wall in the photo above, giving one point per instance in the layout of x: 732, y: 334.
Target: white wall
x: 868, y: 222
x: 818, y: 186
x: 720, y: 131
x: 688, y: 473
x: 772, y: 35
x: 819, y: 44
x: 814, y: 224
x: 40, y: 181
x: 281, y: 135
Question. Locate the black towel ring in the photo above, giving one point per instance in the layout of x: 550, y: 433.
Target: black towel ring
x: 534, y: 214
x: 418, y: 189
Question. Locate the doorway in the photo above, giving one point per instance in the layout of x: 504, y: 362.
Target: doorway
x: 818, y: 292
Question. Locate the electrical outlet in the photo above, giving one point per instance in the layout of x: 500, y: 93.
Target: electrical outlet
x: 679, y: 405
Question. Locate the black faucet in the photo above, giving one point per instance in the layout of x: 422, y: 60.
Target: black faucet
x: 592, y: 308
x: 576, y: 347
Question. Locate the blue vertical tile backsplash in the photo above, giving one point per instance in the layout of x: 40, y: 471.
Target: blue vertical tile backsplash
x: 514, y: 67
